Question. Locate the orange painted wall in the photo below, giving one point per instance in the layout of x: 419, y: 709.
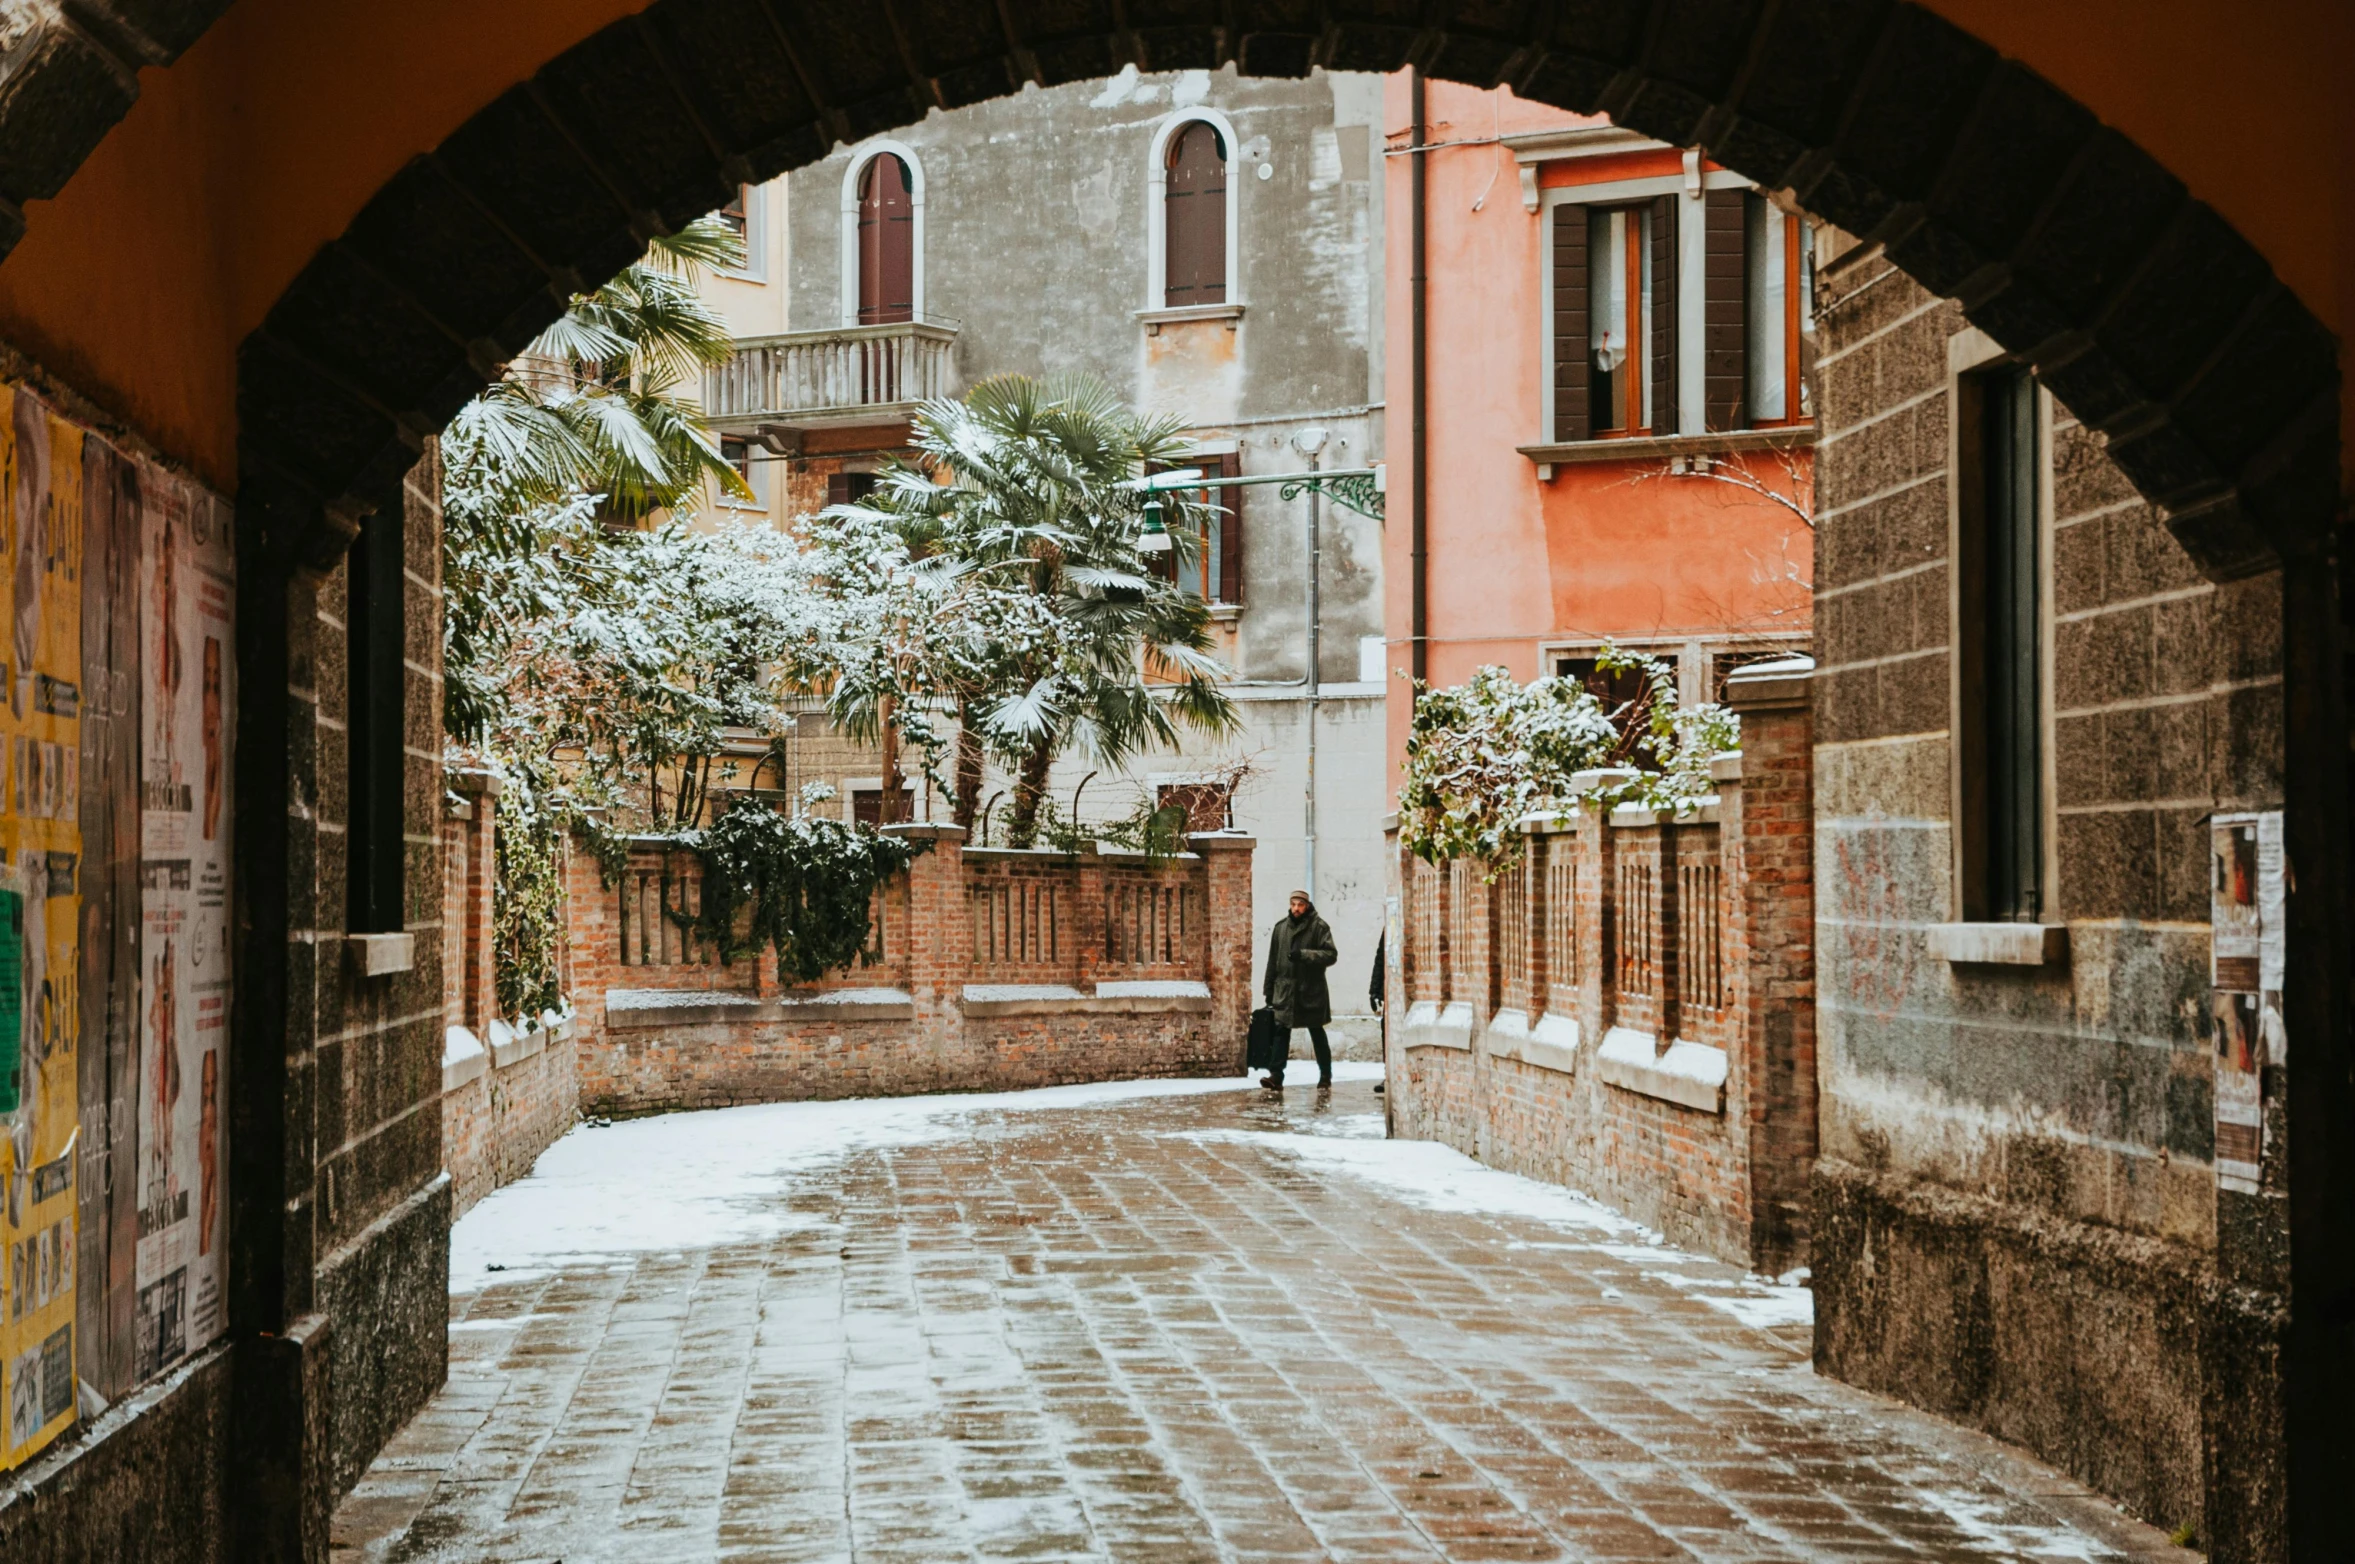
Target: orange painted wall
x: 262, y: 142
x: 1596, y: 551
x: 177, y: 235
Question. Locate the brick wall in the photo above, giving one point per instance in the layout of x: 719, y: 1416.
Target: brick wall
x: 996, y: 969
x: 2015, y: 1218
x: 509, y: 1085
x: 1629, y: 1010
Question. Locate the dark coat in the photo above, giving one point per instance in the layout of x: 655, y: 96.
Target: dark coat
x: 1298, y: 952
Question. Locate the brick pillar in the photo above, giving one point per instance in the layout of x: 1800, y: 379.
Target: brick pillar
x: 592, y: 934
x: 1226, y: 861
x: 939, y: 936
x: 469, y: 884
x: 1769, y: 849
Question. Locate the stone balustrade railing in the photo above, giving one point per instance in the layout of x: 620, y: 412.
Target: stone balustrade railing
x: 849, y: 373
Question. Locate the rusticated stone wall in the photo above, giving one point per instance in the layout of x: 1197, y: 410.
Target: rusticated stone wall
x: 2016, y: 1222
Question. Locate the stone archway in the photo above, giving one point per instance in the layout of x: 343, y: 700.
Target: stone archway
x: 2141, y: 308
x: 2149, y: 315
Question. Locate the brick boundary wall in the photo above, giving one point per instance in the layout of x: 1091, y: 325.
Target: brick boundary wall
x: 998, y: 969
x: 1630, y: 1011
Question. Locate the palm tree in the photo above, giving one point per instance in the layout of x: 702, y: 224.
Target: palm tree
x: 599, y: 404
x: 1060, y: 637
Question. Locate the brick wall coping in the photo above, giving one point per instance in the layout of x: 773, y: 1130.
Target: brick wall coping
x: 1030, y: 999
x: 1726, y: 767
x: 463, y: 1057
x: 1431, y: 1025
x: 1636, y: 816
x: 1689, y: 1074
x: 1039, y: 855
x: 1550, y: 1044
x: 1786, y: 681
x: 641, y: 1009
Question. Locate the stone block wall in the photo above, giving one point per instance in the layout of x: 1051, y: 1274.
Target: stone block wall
x: 996, y: 969
x: 1627, y: 1010
x: 2015, y: 1216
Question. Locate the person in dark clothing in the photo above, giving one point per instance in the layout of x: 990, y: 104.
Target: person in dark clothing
x: 1298, y: 951
x: 1375, y: 995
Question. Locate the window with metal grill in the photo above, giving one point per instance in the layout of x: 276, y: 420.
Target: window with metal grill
x: 1194, y: 218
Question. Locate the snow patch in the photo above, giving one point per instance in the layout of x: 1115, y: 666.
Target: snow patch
x: 1117, y: 89
x: 1439, y: 1178
x: 682, y: 1181
x: 1977, y: 1516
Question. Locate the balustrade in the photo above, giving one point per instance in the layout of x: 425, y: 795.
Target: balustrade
x: 839, y: 372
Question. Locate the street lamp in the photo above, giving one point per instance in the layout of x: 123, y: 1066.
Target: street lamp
x: 1155, y: 538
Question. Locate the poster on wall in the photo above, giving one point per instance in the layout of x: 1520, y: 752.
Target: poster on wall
x: 40, y: 915
x: 186, y: 592
x: 2245, y: 914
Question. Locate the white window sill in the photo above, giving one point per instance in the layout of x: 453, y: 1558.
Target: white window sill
x: 1154, y: 320
x: 1657, y: 447
x: 2000, y: 944
x: 381, y: 955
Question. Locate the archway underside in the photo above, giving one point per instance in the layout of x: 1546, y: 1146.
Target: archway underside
x: 2146, y: 313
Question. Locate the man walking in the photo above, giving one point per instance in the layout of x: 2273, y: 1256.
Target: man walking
x: 1298, y: 951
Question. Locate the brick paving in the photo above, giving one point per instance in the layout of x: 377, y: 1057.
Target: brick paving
x: 1151, y: 1329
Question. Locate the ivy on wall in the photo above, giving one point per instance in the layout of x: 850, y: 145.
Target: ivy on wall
x: 800, y: 883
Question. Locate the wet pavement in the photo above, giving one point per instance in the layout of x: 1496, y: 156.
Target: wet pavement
x: 1195, y: 1325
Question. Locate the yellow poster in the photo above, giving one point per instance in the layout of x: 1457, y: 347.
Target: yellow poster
x: 40, y: 915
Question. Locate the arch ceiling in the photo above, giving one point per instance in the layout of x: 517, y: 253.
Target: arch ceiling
x: 375, y: 284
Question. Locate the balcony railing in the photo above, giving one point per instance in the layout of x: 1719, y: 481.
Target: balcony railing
x: 849, y: 375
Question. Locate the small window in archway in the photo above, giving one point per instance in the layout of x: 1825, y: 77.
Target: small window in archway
x: 887, y: 242
x: 1194, y: 209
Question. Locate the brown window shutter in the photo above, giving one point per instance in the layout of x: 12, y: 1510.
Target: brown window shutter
x: 1723, y: 328
x: 1664, y: 312
x: 1230, y: 531
x: 887, y: 243
x: 1573, y: 415
x: 849, y: 488
x: 1194, y: 219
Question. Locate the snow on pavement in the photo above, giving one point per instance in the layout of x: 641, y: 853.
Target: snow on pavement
x: 680, y: 1181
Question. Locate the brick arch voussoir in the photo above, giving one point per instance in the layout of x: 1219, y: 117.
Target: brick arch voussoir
x: 2153, y: 320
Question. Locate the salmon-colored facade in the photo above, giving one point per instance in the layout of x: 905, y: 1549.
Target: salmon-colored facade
x: 1539, y: 548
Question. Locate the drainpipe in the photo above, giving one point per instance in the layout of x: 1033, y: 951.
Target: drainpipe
x: 1419, y: 431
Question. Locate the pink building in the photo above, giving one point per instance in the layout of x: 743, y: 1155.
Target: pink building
x: 1609, y: 403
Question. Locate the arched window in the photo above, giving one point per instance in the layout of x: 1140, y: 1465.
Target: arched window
x: 1194, y: 218
x: 887, y: 241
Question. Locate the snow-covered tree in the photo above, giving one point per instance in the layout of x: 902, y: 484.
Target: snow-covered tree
x: 1484, y: 755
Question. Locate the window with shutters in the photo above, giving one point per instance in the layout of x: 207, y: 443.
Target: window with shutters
x: 883, y: 236
x: 848, y: 488
x: 1615, y: 353
x: 887, y: 242
x: 1215, y: 572
x: 1778, y: 269
x: 1675, y: 308
x: 1194, y: 217
x: 2001, y: 571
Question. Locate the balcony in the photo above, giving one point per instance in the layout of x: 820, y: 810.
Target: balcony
x: 849, y: 377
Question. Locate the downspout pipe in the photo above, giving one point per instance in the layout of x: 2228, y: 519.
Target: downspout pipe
x: 1418, y: 414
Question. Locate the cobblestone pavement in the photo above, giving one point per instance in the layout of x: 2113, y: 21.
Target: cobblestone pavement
x: 1165, y: 1327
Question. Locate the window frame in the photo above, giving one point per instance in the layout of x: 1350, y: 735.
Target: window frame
x: 1691, y: 191
x: 1157, y: 213
x: 755, y: 202
x: 848, y: 280
x: 1798, y: 318
x: 1973, y: 358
